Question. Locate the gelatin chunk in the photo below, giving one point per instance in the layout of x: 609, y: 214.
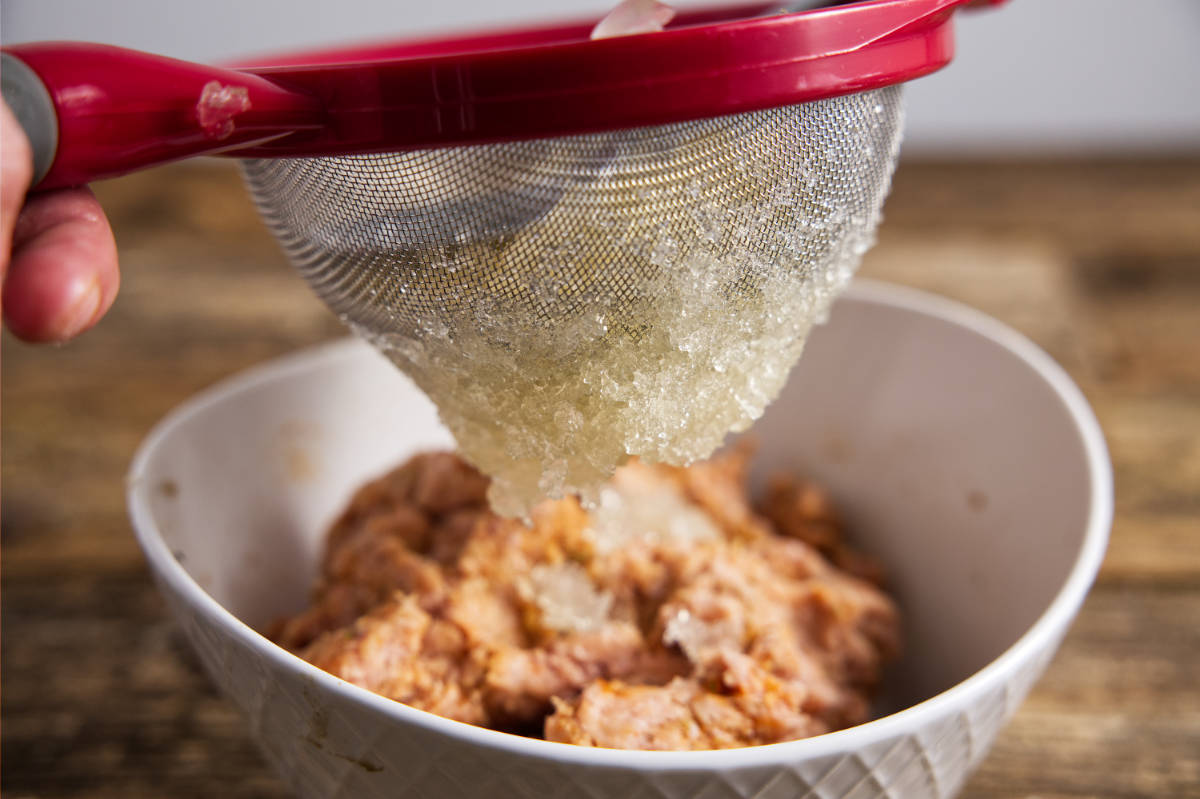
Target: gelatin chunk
x: 632, y: 17
x: 549, y: 418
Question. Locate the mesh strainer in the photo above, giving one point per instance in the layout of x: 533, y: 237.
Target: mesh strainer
x: 508, y: 215
x: 729, y: 106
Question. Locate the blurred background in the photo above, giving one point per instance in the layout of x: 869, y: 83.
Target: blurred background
x: 1050, y: 177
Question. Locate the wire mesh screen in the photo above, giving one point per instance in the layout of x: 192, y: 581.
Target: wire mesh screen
x: 547, y: 231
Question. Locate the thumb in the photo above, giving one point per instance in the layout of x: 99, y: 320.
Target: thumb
x: 16, y: 172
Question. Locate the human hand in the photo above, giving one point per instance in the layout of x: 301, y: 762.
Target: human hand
x: 58, y: 260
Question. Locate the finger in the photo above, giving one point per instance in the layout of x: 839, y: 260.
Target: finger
x: 16, y: 170
x: 63, y: 273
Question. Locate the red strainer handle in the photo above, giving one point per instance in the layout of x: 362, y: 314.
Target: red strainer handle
x: 95, y: 111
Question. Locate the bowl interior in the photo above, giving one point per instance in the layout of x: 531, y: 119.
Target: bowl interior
x: 953, y: 458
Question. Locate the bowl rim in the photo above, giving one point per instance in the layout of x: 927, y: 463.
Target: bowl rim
x: 1039, y: 636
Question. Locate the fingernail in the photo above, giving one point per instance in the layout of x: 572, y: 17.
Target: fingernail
x: 82, y: 313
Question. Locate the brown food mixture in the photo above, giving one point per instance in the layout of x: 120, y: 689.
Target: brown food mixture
x: 675, y: 616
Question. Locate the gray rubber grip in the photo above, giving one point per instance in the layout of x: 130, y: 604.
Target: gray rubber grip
x: 26, y: 95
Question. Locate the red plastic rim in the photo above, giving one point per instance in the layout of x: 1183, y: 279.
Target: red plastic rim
x: 555, y: 81
x: 119, y: 110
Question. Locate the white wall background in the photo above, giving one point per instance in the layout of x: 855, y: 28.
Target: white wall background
x: 1053, y: 77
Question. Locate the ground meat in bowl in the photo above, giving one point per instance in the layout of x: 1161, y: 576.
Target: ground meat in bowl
x: 674, y: 615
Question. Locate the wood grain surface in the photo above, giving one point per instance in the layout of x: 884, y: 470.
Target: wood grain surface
x: 1097, y: 262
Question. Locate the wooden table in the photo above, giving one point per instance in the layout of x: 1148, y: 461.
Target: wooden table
x: 1099, y: 263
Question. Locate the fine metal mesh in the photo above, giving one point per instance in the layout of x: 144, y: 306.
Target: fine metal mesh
x: 546, y: 230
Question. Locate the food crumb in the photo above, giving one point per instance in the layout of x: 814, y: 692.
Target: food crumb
x: 217, y: 107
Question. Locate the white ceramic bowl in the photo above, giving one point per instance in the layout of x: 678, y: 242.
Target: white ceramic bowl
x: 962, y: 455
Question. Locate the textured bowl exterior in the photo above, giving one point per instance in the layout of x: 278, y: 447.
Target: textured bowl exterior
x: 326, y: 746
x: 327, y: 738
